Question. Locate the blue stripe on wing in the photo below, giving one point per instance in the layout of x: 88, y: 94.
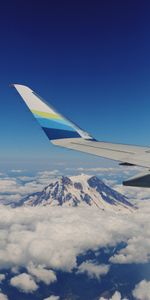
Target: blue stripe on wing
x: 54, y: 134
x: 47, y: 123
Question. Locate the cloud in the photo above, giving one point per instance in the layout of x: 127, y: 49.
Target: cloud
x: 65, y: 233
x: 26, y: 178
x: 44, y: 177
x: 99, y: 169
x: 24, y: 283
x: 138, y: 245
x: 43, y: 174
x: 116, y: 296
x: 8, y: 185
x: 68, y: 232
x: 133, y: 192
x: 93, y: 270
x: 44, y: 240
x: 42, y: 274
x: 11, y: 188
x: 17, y: 171
x: 3, y: 296
x: 142, y: 290
x: 15, y: 188
x: 52, y: 298
x: 2, y: 277
x: 9, y: 198
x: 130, y: 254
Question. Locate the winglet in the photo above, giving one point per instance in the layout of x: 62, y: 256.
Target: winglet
x: 53, y: 123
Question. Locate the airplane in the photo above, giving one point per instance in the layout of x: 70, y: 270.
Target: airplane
x: 64, y: 133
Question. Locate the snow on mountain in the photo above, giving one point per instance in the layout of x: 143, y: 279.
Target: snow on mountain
x: 80, y: 190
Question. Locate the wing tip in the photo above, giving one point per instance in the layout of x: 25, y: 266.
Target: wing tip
x: 18, y: 85
x: 11, y: 85
x: 21, y: 87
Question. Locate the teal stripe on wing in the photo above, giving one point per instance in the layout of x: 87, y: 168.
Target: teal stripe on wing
x: 47, y: 123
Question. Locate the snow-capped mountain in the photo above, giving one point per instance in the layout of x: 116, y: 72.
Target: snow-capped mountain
x: 80, y: 190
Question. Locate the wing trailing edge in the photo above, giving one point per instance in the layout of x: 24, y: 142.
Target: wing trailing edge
x: 142, y: 180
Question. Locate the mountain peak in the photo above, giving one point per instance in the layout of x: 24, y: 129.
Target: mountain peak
x: 82, y: 190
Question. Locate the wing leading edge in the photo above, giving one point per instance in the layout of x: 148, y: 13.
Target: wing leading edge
x: 64, y: 133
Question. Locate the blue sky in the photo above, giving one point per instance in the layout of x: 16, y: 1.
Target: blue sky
x: 89, y: 59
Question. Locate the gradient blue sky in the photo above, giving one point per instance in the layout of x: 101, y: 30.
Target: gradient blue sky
x: 89, y: 59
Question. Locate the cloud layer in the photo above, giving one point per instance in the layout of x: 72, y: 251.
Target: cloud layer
x: 45, y: 240
x: 66, y: 233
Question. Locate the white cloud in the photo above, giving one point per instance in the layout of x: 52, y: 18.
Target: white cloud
x: 11, y: 188
x: 17, y: 171
x: 48, y: 173
x: 142, y: 290
x: 64, y: 232
x: 52, y: 298
x: 9, y: 198
x: 116, y: 296
x: 100, y: 169
x: 3, y: 296
x: 15, y: 188
x: 15, y: 270
x: 26, y: 178
x: 67, y: 232
x: 24, y: 283
x: 42, y: 274
x: 133, y: 192
x: 2, y: 277
x: 7, y: 185
x: 93, y: 270
x: 44, y: 177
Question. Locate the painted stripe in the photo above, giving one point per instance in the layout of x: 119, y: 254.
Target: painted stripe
x: 64, y: 122
x: 47, y: 123
x: 46, y: 114
x: 54, y: 134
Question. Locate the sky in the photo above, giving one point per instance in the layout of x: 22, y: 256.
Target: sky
x: 89, y: 59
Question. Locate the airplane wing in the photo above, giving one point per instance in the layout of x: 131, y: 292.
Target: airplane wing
x: 64, y: 133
